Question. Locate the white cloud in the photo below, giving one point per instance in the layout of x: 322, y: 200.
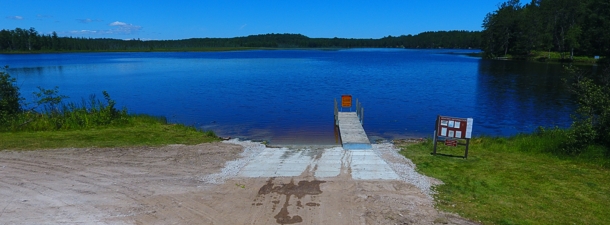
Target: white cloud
x: 15, y: 17
x: 83, y: 32
x: 243, y: 26
x: 88, y: 20
x: 117, y: 23
x: 124, y: 28
x: 118, y: 28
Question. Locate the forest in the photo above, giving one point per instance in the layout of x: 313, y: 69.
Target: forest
x: 569, y: 27
x: 30, y: 40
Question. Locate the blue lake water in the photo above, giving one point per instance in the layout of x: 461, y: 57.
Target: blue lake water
x: 286, y: 96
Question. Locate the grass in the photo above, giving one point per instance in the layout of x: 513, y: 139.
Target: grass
x: 545, y: 56
x: 143, y: 131
x: 517, y: 181
x: 91, y: 123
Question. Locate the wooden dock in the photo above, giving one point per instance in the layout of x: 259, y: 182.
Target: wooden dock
x: 352, y: 133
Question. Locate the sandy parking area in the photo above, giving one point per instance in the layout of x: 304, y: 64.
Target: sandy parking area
x: 201, y: 184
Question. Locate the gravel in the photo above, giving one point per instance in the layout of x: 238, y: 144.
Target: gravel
x: 405, y: 168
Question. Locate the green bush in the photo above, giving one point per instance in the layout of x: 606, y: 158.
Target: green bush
x: 592, y: 120
x: 10, y: 100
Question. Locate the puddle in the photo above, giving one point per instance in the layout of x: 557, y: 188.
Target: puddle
x: 300, y: 190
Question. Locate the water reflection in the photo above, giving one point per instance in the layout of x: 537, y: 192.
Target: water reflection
x: 516, y: 96
x: 39, y: 70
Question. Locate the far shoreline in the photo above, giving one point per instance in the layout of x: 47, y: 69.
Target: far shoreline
x: 580, y: 60
x: 223, y: 49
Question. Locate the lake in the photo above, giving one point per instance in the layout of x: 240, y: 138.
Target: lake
x: 287, y: 96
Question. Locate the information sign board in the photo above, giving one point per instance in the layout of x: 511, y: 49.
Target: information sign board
x: 346, y: 101
x: 452, y: 129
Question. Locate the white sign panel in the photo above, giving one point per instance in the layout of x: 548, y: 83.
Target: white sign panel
x: 469, y: 128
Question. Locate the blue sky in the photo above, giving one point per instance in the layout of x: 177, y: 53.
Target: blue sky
x: 162, y: 20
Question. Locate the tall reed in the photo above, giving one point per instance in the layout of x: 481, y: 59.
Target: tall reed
x: 89, y: 113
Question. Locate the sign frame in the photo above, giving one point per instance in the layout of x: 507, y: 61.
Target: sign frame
x: 450, y: 130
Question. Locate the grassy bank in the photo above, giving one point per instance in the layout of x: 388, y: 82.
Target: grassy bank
x: 542, y: 56
x: 141, y: 131
x: 92, y: 123
x: 518, y: 180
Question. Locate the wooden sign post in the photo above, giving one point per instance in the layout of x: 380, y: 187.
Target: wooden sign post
x: 452, y: 129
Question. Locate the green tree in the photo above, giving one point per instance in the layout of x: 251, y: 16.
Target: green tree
x: 596, y: 27
x: 10, y: 100
x: 592, y: 121
x: 5, y: 40
x: 501, y: 28
x: 55, y: 42
x: 572, y: 39
x: 531, y: 24
x: 567, y: 26
x: 563, y: 18
x: 49, y: 99
x: 33, y: 39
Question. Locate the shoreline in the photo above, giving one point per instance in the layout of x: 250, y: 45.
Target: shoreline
x: 222, y: 49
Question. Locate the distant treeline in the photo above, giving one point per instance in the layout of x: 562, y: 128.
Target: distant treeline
x: 570, y: 27
x: 29, y: 40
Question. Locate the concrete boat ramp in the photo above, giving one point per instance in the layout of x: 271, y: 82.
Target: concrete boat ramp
x: 321, y: 163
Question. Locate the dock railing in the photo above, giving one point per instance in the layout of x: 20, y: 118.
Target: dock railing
x: 336, y: 113
x: 359, y: 112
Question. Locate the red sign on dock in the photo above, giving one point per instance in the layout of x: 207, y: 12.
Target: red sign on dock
x: 346, y: 101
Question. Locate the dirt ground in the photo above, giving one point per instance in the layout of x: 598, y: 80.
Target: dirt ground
x: 165, y: 185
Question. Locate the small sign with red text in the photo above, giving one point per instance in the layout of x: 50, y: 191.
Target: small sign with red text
x: 451, y: 143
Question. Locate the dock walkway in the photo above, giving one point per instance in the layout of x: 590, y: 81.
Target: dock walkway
x: 352, y: 133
